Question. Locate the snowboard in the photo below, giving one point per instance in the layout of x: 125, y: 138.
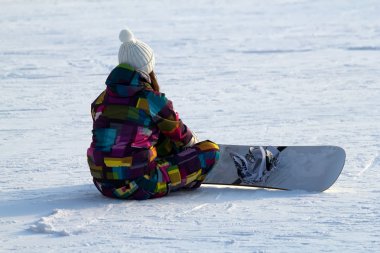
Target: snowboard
x: 308, y: 168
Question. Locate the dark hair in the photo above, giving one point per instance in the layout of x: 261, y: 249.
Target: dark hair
x: 153, y: 81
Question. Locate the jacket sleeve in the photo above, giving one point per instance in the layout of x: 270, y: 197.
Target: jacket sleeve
x: 167, y: 119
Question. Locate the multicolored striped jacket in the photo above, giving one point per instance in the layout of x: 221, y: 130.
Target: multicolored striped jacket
x: 132, y: 125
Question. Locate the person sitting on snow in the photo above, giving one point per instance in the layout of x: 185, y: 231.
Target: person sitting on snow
x: 140, y: 147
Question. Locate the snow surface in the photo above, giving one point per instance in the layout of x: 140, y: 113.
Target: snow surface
x: 281, y: 72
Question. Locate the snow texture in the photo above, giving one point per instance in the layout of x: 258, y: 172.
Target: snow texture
x: 281, y: 72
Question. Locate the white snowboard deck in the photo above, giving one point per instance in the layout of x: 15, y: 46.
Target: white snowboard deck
x: 309, y: 168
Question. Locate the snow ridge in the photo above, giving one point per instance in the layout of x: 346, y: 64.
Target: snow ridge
x: 48, y: 224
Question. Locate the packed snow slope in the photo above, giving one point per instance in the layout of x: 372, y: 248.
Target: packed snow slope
x: 281, y: 72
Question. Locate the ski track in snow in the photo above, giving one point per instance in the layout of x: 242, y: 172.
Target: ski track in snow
x: 284, y: 72
x: 372, y: 164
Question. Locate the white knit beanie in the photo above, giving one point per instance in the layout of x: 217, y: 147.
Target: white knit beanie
x: 135, y: 53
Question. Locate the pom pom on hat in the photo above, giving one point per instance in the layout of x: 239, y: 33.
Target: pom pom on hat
x: 126, y: 35
x: 135, y: 53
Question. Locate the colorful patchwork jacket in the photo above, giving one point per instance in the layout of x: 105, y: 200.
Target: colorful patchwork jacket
x: 132, y: 125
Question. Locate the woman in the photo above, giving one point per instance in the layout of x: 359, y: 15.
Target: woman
x: 140, y: 148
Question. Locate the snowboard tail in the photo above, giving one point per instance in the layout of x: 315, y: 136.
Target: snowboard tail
x: 309, y: 168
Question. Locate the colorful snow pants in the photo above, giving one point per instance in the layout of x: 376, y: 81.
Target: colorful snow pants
x: 183, y: 170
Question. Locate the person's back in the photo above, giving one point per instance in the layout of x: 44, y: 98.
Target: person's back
x: 140, y: 148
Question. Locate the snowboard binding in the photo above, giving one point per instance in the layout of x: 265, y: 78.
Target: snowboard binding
x: 257, y: 164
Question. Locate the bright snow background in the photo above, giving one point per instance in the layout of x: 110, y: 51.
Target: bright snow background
x: 283, y: 72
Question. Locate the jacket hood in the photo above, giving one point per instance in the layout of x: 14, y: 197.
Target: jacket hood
x: 125, y: 81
